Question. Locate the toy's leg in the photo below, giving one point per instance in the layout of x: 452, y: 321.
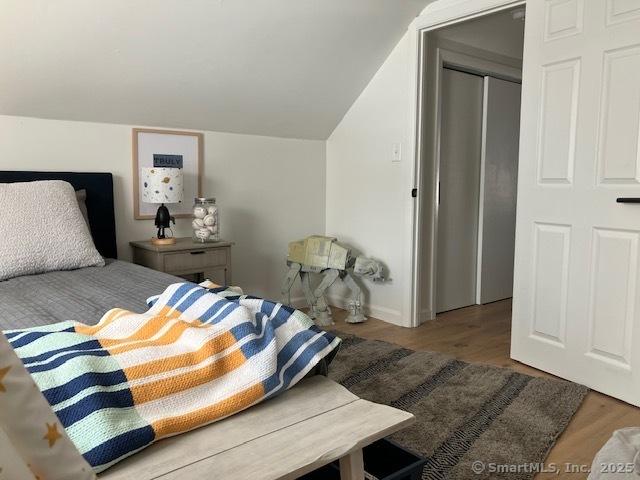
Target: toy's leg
x: 285, y: 290
x: 355, y: 303
x: 305, y: 279
x: 323, y: 312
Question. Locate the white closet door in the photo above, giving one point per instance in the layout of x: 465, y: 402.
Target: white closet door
x: 498, y: 188
x: 460, y: 147
x: 576, y: 293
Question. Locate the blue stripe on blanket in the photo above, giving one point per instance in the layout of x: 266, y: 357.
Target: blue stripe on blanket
x: 282, y: 313
x: 267, y: 307
x: 248, y: 328
x: 190, y: 299
x: 84, y: 346
x: 180, y: 292
x: 216, y: 310
x: 30, y: 337
x: 120, y: 446
x: 258, y: 344
x: 94, y: 402
x: 285, y: 354
x: 281, y: 317
x: 64, y: 392
x: 303, y: 360
x: 63, y: 358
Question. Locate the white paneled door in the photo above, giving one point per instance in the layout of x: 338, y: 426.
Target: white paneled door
x: 576, y: 309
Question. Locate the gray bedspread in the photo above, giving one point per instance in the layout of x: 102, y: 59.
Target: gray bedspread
x: 83, y: 295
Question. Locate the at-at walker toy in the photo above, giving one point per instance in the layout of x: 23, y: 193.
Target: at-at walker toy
x: 325, y: 256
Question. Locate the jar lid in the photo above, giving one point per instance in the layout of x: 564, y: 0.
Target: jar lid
x: 205, y: 200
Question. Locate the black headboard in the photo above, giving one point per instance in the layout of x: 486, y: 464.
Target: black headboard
x: 99, y: 187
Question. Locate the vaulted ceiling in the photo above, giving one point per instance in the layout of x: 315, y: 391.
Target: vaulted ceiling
x: 288, y: 68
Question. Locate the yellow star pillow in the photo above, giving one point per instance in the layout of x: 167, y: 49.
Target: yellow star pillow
x: 11, y: 465
x: 30, y: 433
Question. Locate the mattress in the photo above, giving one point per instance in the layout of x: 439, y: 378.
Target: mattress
x: 82, y: 295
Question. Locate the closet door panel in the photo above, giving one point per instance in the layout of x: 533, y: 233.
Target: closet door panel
x: 498, y: 189
x: 460, y: 148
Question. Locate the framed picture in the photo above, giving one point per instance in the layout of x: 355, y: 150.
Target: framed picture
x: 167, y: 149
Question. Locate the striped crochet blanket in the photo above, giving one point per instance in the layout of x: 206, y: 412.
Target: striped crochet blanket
x: 196, y: 356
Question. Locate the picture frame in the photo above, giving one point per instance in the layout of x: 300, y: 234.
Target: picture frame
x: 167, y: 148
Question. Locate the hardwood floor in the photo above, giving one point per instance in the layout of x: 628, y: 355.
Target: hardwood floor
x: 482, y: 334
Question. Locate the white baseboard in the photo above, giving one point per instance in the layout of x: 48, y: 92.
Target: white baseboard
x: 375, y: 311
x: 425, y: 315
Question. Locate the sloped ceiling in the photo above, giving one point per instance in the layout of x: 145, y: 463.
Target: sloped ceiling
x: 288, y: 68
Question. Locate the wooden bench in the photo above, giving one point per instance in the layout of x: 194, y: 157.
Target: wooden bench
x: 309, y: 426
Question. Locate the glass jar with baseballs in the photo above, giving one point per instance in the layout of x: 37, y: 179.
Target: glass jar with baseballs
x: 206, y: 220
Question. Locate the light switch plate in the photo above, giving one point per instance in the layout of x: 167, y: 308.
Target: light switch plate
x: 396, y: 154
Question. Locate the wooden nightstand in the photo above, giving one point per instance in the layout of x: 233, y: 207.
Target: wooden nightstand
x: 192, y: 261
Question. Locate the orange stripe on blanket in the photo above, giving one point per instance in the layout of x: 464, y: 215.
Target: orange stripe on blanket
x: 114, y: 314
x: 107, y: 319
x: 233, y: 404
x: 184, y: 381
x: 146, y: 331
x: 208, y: 349
x: 152, y: 327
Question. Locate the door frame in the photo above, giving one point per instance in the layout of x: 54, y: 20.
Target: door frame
x: 437, y: 15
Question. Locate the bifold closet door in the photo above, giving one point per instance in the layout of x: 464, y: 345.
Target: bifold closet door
x: 460, y: 150
x: 498, y: 188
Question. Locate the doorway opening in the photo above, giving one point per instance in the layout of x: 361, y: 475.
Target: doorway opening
x: 469, y: 161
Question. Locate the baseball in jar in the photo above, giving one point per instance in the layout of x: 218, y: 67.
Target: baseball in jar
x: 206, y: 220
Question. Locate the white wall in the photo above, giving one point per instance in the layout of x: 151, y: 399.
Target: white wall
x: 270, y: 190
x: 367, y: 194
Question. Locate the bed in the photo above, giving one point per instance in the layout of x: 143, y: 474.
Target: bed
x: 310, y: 425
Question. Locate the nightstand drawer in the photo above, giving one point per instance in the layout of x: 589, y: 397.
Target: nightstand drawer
x: 194, y: 260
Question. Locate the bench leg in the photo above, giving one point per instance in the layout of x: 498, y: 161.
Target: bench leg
x: 352, y: 466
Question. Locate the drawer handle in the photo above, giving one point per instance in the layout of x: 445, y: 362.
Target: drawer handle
x: 197, y: 253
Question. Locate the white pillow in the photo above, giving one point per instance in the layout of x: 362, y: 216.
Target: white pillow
x: 42, y: 229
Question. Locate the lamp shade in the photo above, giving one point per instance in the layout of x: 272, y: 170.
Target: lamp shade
x: 161, y: 185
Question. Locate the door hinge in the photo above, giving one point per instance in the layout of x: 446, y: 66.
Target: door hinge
x: 414, y: 192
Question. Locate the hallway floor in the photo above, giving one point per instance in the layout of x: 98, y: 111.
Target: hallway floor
x: 482, y: 334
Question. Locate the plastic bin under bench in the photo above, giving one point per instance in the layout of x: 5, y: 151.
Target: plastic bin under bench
x: 383, y: 460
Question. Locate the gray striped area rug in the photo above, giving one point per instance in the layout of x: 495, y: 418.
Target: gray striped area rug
x: 473, y: 421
